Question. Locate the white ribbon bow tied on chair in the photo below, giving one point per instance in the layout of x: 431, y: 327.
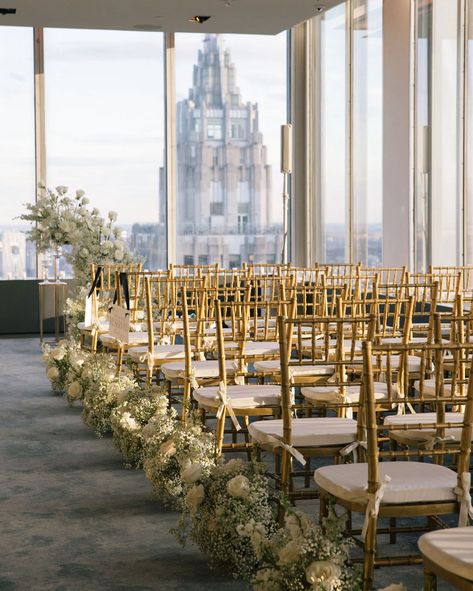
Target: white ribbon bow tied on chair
x: 464, y: 498
x: 435, y: 440
x: 240, y: 380
x: 401, y: 406
x: 352, y: 448
x: 226, y: 405
x: 191, y: 378
x: 274, y: 441
x: 374, y: 502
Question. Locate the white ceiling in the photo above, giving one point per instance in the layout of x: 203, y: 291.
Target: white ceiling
x: 227, y: 16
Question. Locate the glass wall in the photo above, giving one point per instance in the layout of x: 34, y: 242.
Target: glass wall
x: 438, y: 134
x: 349, y: 55
x: 367, y: 129
x: 17, y: 150
x: 333, y: 126
x: 231, y: 102
x: 469, y: 138
x: 105, y: 128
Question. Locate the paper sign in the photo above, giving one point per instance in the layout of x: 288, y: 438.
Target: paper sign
x: 119, y: 323
x: 89, y: 312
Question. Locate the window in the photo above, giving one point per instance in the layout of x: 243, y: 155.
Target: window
x: 17, y: 151
x: 367, y: 153
x: 438, y: 215
x: 104, y: 134
x: 234, y: 165
x: 333, y: 164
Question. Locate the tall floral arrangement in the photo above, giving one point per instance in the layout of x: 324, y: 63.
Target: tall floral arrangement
x: 60, y: 220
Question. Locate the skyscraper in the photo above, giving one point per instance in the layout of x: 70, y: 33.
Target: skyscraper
x: 224, y: 179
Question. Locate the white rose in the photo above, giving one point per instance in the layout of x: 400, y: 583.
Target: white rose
x: 74, y: 390
x: 289, y: 553
x: 234, y: 464
x: 194, y: 498
x: 112, y: 216
x: 53, y: 373
x: 58, y: 354
x: 80, y: 193
x: 239, y: 487
x: 128, y: 421
x: 46, y: 356
x: 192, y: 473
x: 394, y: 587
x: 167, y: 449
x: 322, y: 571
x: 85, y: 201
x: 119, y: 254
x: 61, y: 189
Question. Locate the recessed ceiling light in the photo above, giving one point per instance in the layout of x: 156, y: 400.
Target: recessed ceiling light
x: 7, y: 10
x: 199, y: 19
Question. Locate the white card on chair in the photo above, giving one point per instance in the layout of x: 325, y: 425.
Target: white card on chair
x: 89, y: 312
x: 119, y: 323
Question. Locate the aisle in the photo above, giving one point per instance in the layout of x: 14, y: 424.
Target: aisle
x: 72, y: 519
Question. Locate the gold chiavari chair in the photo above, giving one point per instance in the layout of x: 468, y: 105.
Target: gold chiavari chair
x: 235, y: 400
x: 105, y: 285
x: 446, y: 553
x: 386, y: 275
x: 164, y: 318
x: 196, y: 370
x: 301, y: 352
x: 465, y: 270
x: 390, y: 483
x: 341, y: 269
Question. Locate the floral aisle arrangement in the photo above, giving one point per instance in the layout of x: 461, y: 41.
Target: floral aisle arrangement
x: 58, y: 362
x: 132, y: 414
x: 79, y: 375
x: 59, y: 220
x: 104, y: 393
x: 186, y: 455
x: 229, y: 512
x: 303, y: 555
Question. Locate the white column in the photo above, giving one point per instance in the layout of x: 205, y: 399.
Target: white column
x: 397, y: 156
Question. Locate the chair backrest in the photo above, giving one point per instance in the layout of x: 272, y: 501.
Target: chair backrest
x: 449, y: 392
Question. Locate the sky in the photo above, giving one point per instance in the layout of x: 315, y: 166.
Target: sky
x: 105, y: 115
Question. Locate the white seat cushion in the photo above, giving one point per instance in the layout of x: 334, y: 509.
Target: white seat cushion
x: 412, y: 360
x: 134, y: 338
x: 422, y: 435
x: 451, y: 549
x: 248, y: 396
x: 428, y: 388
x: 104, y: 326
x: 332, y: 393
x: 254, y: 348
x: 302, y: 370
x: 313, y: 432
x: 411, y: 482
x: 139, y: 354
x: 202, y: 369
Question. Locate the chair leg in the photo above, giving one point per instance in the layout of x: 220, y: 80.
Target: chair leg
x: 430, y: 581
x: 392, y: 535
x: 220, y: 433
x: 369, y: 554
